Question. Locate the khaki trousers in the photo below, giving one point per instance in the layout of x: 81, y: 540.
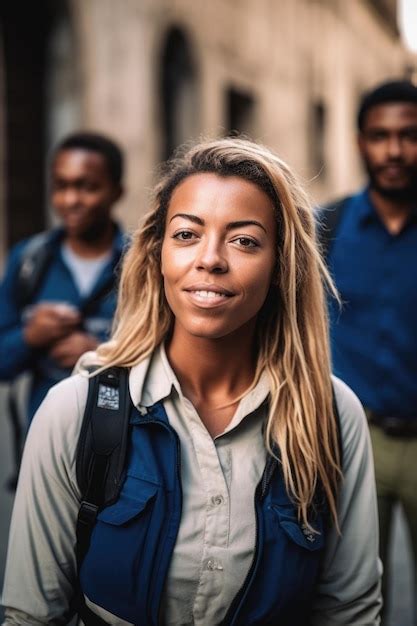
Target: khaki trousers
x: 396, y: 481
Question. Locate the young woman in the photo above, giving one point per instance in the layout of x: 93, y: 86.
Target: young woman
x: 246, y: 500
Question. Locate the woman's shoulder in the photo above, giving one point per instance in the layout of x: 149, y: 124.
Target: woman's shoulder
x: 64, y: 404
x: 68, y: 396
x: 347, y: 401
x: 352, y: 420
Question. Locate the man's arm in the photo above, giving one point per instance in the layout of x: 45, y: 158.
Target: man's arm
x: 68, y: 350
x: 15, y: 354
x: 23, y: 336
x: 349, y: 586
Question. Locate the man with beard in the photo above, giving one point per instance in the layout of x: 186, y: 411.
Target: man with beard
x: 57, y: 296
x: 372, y: 255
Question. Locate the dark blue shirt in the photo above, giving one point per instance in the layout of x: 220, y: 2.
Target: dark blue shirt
x: 374, y: 335
x: 57, y: 285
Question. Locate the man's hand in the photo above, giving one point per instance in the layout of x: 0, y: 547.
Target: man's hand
x: 67, y: 351
x: 49, y: 323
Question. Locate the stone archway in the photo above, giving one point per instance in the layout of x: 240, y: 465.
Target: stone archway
x: 179, y: 91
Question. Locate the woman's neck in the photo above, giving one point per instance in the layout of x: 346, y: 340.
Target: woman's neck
x: 213, y: 373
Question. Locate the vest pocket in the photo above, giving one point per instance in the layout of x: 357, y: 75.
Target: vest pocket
x: 297, y: 531
x: 117, y: 567
x: 126, y: 509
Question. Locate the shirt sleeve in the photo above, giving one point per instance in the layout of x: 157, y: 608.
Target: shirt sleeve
x: 41, y: 564
x: 15, y: 354
x: 349, y: 586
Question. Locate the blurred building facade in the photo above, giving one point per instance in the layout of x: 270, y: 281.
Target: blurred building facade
x: 156, y: 73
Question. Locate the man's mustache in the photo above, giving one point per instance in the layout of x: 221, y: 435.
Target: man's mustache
x: 392, y: 163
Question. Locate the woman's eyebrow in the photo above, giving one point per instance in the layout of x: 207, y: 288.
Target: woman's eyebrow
x: 243, y: 223
x: 230, y: 226
x: 189, y: 216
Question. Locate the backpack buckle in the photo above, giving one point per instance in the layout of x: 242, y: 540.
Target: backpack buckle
x: 87, y: 513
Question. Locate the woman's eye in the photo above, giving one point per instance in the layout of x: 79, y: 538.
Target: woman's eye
x: 246, y: 242
x: 184, y: 235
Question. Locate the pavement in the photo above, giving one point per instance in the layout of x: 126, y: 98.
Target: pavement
x: 400, y: 613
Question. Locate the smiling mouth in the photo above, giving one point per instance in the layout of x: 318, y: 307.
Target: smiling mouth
x: 203, y: 293
x: 73, y: 216
x: 394, y: 170
x: 207, y: 297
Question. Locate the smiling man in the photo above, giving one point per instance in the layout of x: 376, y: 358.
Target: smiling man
x: 57, y: 297
x: 373, y: 258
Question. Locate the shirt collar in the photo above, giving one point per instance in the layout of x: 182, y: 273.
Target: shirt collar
x: 250, y: 402
x: 364, y: 208
x: 366, y: 212
x: 153, y: 380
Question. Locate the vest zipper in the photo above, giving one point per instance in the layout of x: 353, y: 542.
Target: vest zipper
x: 172, y: 432
x: 260, y: 493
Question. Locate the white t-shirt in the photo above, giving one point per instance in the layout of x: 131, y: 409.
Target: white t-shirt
x: 85, y: 272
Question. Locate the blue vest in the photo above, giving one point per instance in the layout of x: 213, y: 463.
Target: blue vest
x: 131, y: 546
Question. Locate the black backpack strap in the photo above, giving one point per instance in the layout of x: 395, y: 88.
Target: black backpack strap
x: 17, y: 435
x: 101, y: 455
x: 101, y: 448
x: 34, y: 262
x: 100, y: 463
x: 329, y: 219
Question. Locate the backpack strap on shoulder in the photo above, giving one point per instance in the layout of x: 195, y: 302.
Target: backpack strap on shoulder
x: 102, y: 448
x: 34, y: 262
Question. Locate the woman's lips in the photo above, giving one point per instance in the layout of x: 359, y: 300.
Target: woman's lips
x: 208, y: 298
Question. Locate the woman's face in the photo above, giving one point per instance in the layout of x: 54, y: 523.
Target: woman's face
x: 218, y: 254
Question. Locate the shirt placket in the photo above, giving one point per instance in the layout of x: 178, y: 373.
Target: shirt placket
x: 217, y: 518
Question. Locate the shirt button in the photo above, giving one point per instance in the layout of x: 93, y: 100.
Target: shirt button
x: 217, y: 500
x: 213, y: 565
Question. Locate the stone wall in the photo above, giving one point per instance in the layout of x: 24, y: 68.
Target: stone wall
x: 288, y: 72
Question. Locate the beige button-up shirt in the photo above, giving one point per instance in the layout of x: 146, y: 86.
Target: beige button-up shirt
x: 216, y: 539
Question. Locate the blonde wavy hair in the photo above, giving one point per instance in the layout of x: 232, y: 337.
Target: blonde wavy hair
x: 292, y: 336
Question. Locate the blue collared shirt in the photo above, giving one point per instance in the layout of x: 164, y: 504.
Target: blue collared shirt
x: 374, y: 335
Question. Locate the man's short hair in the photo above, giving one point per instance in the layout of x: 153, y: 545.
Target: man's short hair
x: 96, y: 143
x: 392, y: 91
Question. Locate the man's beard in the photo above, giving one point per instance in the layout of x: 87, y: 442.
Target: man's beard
x: 406, y: 193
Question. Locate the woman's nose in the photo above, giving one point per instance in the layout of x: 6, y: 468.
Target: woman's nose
x: 211, y: 257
